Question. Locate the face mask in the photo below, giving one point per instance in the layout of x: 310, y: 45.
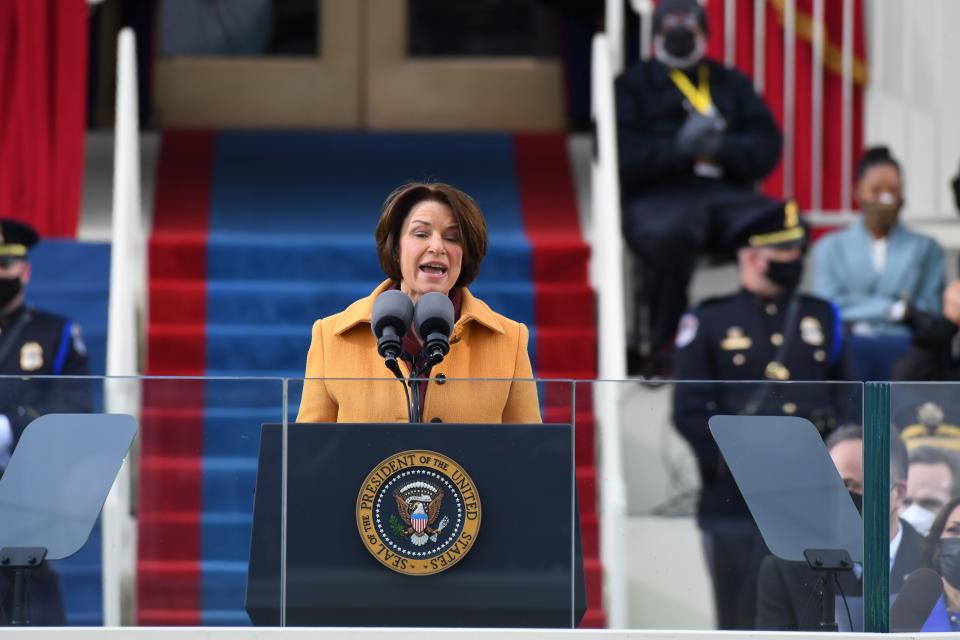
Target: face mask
x: 948, y: 561
x: 883, y: 212
x: 857, y: 501
x: 9, y: 289
x: 679, y: 42
x: 785, y: 274
x: 679, y: 48
x: 919, y: 518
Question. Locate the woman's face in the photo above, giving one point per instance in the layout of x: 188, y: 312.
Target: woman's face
x: 951, y: 529
x: 431, y: 251
x: 880, y: 183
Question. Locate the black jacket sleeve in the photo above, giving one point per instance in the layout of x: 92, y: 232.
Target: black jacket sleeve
x: 751, y: 144
x: 647, y: 152
x: 775, y: 610
x: 694, y: 402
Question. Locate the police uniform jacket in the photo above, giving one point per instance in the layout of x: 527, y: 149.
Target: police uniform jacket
x: 347, y: 380
x: 37, y: 343
x: 651, y: 110
x: 741, y: 338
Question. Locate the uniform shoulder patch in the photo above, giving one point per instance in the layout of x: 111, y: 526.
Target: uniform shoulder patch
x: 686, y: 330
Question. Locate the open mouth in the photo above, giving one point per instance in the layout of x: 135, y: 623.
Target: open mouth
x: 434, y: 269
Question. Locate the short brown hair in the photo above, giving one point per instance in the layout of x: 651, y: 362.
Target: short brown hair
x: 399, y: 204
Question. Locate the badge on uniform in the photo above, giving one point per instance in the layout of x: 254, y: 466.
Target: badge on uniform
x: 811, y: 331
x: 31, y: 356
x: 735, y: 340
x: 686, y: 330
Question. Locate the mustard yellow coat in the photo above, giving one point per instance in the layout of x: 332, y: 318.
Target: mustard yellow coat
x: 348, y: 382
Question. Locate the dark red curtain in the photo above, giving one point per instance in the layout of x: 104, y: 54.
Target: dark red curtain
x: 43, y: 84
x: 830, y: 135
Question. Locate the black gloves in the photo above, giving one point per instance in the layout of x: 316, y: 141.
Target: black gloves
x: 700, y: 136
x: 929, y: 330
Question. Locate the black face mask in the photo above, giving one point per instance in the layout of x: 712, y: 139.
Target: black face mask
x: 679, y: 42
x: 857, y: 500
x: 948, y: 561
x: 785, y: 274
x: 10, y: 288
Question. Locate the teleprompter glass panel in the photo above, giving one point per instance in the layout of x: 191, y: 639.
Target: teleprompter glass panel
x: 438, y: 516
x: 687, y: 550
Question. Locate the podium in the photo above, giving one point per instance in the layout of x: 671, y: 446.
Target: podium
x: 522, y: 565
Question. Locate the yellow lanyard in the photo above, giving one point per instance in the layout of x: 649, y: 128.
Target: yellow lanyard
x: 699, y: 97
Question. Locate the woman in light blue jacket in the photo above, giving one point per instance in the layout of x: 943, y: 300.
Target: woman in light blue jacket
x: 877, y: 271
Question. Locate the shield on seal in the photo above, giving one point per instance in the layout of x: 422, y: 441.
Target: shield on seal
x: 419, y: 520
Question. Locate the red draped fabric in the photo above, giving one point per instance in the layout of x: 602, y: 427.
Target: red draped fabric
x: 831, y: 133
x: 43, y: 84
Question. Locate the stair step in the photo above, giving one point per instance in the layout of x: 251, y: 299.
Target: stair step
x: 568, y: 304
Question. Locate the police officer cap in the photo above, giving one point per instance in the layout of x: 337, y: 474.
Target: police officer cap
x: 775, y: 225
x: 16, y: 238
x: 666, y: 7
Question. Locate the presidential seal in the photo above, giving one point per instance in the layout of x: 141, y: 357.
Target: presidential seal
x: 418, y: 513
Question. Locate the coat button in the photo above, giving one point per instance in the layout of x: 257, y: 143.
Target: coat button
x: 441, y: 379
x: 436, y: 420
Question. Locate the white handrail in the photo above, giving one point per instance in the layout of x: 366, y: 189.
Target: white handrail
x: 607, y: 276
x: 127, y: 273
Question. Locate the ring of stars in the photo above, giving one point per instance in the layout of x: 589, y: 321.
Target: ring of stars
x: 451, y: 491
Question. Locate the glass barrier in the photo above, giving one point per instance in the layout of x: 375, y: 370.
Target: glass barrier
x: 924, y: 505
x: 466, y: 519
x: 689, y: 549
x: 247, y: 504
x: 172, y: 546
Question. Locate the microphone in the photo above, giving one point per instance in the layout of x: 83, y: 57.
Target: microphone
x: 918, y: 595
x: 433, y: 320
x: 392, y: 312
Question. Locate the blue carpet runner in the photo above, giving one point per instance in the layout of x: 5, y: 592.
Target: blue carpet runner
x: 256, y: 235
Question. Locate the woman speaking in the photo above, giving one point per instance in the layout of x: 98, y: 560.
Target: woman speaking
x: 431, y: 237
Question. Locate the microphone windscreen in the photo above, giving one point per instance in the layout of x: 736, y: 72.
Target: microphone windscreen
x: 917, y: 597
x: 433, y: 314
x: 391, y: 309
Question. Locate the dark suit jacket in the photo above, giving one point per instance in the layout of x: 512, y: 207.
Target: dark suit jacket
x: 787, y: 594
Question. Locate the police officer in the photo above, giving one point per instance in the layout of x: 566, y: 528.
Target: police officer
x: 766, y: 332
x: 34, y: 343
x: 693, y: 139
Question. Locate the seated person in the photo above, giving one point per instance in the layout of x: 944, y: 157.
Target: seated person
x: 932, y: 481
x: 929, y: 357
x: 877, y: 271
x: 787, y: 595
x: 942, y: 553
x: 693, y: 138
x: 766, y: 331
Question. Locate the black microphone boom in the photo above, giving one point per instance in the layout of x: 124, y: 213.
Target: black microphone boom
x: 917, y: 597
x: 392, y: 313
x: 433, y: 319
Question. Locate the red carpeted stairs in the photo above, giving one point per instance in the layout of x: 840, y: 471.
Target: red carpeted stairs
x: 566, y: 324
x: 175, y: 586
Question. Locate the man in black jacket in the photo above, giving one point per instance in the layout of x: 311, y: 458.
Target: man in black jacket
x: 766, y: 331
x: 788, y: 594
x: 694, y: 138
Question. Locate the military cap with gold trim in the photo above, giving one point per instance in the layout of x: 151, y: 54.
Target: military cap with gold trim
x: 777, y: 225
x: 16, y: 238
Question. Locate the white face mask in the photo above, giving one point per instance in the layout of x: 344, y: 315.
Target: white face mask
x: 919, y: 518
